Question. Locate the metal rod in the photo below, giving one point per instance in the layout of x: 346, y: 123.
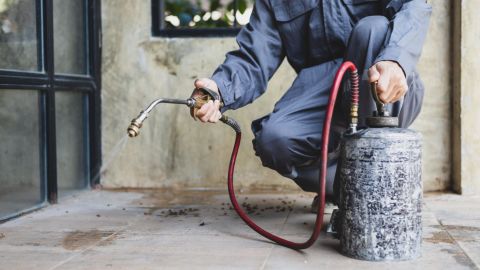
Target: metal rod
x: 166, y: 100
x: 134, y: 127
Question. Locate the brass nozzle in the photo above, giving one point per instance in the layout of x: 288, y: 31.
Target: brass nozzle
x: 133, y: 129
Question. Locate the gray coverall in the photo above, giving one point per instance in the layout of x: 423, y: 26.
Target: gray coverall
x: 316, y: 36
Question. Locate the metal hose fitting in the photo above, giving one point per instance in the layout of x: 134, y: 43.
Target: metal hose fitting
x: 354, y: 84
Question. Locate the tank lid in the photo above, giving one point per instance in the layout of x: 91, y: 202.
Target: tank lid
x: 382, y: 121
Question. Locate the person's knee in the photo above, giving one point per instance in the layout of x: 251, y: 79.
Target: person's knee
x: 371, y: 24
x: 369, y: 27
x: 274, y: 147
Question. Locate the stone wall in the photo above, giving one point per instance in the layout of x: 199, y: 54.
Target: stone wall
x: 172, y: 150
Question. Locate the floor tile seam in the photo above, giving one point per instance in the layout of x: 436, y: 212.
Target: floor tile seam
x: 458, y: 245
x: 474, y: 262
x: 274, y: 245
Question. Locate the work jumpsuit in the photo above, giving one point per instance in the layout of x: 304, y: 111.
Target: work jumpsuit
x: 316, y: 36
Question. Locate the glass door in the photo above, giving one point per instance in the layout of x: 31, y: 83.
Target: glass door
x: 49, y: 100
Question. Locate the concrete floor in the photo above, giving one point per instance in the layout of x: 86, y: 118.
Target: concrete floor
x: 164, y: 229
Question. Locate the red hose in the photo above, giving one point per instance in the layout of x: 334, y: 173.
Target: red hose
x: 323, y: 171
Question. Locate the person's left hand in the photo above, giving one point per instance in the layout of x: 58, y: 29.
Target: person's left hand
x: 209, y: 112
x: 392, y: 84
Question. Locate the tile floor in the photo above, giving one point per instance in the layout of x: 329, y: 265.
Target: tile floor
x: 195, y: 229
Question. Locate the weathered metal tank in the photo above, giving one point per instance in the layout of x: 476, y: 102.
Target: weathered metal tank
x: 380, y: 196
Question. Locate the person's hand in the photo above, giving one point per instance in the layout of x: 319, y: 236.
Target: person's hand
x: 209, y: 112
x: 392, y: 84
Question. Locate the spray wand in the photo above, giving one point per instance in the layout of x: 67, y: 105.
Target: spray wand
x: 193, y: 103
x: 197, y: 102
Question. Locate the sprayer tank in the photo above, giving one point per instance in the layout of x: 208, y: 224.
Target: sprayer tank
x: 381, y: 194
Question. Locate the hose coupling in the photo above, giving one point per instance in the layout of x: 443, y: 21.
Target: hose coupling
x: 355, y: 87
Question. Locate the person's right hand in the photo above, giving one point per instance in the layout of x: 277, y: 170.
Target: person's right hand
x: 209, y: 112
x: 392, y: 83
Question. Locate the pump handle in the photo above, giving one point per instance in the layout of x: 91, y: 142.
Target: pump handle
x: 381, y: 111
x: 381, y: 117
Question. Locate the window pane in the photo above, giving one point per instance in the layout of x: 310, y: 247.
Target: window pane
x: 71, y: 135
x: 69, y: 36
x: 245, y: 8
x: 21, y: 185
x: 199, y: 13
x: 18, y: 35
x: 205, y: 14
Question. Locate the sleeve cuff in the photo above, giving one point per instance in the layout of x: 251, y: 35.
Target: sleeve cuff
x: 398, y: 55
x: 225, y: 90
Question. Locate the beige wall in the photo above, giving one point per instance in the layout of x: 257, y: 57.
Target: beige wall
x: 466, y: 128
x: 434, y: 121
x: 174, y: 151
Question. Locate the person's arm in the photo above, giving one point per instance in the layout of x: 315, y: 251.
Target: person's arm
x: 408, y: 27
x: 244, y: 75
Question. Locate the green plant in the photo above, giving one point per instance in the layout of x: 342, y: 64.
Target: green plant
x: 186, y: 10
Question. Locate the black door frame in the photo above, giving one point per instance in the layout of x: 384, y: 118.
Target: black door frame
x: 46, y: 82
